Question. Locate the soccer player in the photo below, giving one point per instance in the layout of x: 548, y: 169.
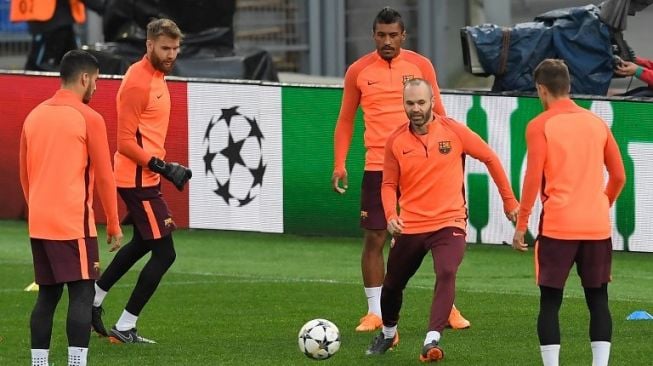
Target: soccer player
x: 143, y: 104
x: 375, y: 82
x: 424, y: 160
x: 568, y: 147
x: 64, y: 153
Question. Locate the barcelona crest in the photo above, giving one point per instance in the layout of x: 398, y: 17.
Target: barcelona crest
x: 444, y: 147
x: 406, y: 78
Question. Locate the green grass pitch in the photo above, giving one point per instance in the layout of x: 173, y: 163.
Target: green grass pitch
x: 240, y: 298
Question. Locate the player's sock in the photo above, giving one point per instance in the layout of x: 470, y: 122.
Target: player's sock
x: 550, y: 354
x: 600, y: 353
x: 127, y: 321
x: 40, y: 357
x: 99, y: 296
x: 77, y: 356
x: 389, y: 332
x: 431, y: 336
x: 373, y: 295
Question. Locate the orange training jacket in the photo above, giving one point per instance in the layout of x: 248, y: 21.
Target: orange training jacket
x: 428, y: 170
x: 63, y: 153
x: 568, y: 147
x: 143, y: 102
x: 377, y: 86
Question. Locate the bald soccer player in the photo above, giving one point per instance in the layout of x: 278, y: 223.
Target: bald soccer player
x: 143, y: 102
x: 375, y: 82
x: 425, y: 160
x: 568, y: 149
x: 64, y: 153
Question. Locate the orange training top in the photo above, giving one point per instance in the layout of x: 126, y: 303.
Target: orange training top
x: 428, y: 171
x: 377, y: 85
x: 63, y: 153
x: 568, y: 146
x: 143, y: 102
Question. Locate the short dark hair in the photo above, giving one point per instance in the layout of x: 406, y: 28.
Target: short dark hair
x: 163, y: 27
x: 388, y: 15
x: 76, y: 62
x: 554, y: 74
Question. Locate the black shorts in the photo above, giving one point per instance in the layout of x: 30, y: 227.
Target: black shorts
x: 372, y: 214
x: 61, y: 261
x: 555, y: 257
x: 147, y: 211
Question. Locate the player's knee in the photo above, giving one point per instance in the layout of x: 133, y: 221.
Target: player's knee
x: 446, y: 273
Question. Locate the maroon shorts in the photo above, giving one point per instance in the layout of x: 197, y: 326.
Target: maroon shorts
x: 372, y: 215
x: 147, y: 211
x: 555, y: 257
x: 61, y: 261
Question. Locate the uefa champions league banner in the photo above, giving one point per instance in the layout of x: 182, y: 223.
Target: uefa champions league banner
x: 252, y: 175
x: 234, y: 150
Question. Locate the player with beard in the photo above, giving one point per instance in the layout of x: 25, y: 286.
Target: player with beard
x: 375, y: 83
x: 425, y: 160
x: 143, y: 104
x: 64, y: 153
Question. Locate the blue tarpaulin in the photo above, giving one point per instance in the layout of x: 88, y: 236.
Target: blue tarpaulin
x: 575, y: 35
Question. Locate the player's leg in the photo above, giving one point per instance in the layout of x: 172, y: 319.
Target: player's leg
x: 447, y: 247
x: 594, y: 264
x: 41, y: 321
x: 402, y: 265
x: 373, y: 222
x: 163, y: 256
x: 78, y: 322
x: 554, y: 259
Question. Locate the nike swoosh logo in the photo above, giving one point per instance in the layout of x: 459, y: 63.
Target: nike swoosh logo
x: 159, y: 96
x: 372, y: 82
x: 457, y: 234
x: 407, y: 151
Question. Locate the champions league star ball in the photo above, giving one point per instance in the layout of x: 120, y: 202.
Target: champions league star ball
x: 319, y: 339
x: 234, y: 156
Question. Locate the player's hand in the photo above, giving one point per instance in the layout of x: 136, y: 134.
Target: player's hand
x: 174, y: 172
x: 512, y: 215
x: 114, y: 241
x: 395, y: 226
x: 336, y: 178
x: 518, y: 241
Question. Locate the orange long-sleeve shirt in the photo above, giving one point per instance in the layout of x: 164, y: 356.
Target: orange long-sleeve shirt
x: 143, y: 103
x: 377, y: 86
x: 568, y: 146
x: 63, y: 153
x: 428, y: 171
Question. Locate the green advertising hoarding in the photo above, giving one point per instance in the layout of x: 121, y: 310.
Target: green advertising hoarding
x: 312, y: 208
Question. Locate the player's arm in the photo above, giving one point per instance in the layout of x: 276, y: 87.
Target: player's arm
x: 615, y: 167
x: 100, y: 158
x: 345, y: 130
x: 535, y: 158
x: 428, y: 72
x: 22, y: 165
x: 131, y: 104
x: 474, y: 146
x: 389, y: 188
x: 644, y: 62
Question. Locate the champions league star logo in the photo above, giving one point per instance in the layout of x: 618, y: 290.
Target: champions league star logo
x: 234, y: 156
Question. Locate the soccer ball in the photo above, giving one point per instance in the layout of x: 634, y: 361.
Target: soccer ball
x: 319, y: 339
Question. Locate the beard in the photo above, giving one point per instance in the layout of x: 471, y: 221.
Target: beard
x: 160, y: 64
x: 415, y: 119
x: 87, y: 95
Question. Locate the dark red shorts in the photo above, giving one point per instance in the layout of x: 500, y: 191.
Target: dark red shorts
x: 147, y: 211
x: 61, y: 261
x: 555, y: 257
x: 372, y: 215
